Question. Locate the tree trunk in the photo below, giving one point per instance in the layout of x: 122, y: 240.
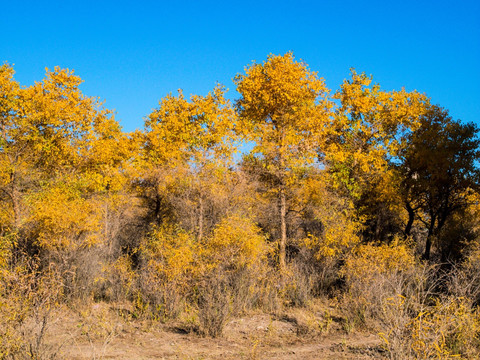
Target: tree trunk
x: 16, y: 210
x: 200, y: 219
x: 428, y: 244
x: 283, y: 231
x: 411, y: 218
x: 158, y: 206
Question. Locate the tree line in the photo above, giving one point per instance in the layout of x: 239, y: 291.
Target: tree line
x: 154, y: 211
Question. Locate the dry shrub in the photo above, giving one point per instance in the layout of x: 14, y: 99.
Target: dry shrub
x: 255, y: 287
x: 465, y: 277
x: 99, y: 325
x: 374, y: 274
x: 297, y: 284
x: 391, y: 294
x: 28, y: 299
x: 310, y: 321
x: 214, y: 303
x: 309, y: 275
x: 117, y: 280
x: 449, y: 328
x: 223, y: 293
x: 80, y: 270
x: 234, y: 274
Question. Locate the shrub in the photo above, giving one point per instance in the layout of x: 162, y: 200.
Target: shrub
x: 234, y: 272
x: 465, y: 277
x: 449, y: 328
x: 167, y: 271
x: 226, y: 272
x: 214, y: 303
x: 28, y: 298
x: 297, y: 284
x: 389, y: 292
x: 236, y: 243
x: 117, y: 280
x: 374, y: 274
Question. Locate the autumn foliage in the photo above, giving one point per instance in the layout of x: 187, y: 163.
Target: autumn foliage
x: 362, y: 194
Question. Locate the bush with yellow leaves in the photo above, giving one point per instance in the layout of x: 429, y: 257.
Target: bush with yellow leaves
x: 29, y: 297
x: 236, y: 243
x: 177, y: 269
x: 336, y: 234
x: 373, y: 274
x: 449, y: 328
x: 168, y: 257
x: 389, y: 292
x: 445, y: 329
x: 235, y: 273
x: 117, y: 281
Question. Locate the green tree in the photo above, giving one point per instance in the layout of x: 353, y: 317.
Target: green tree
x: 439, y: 170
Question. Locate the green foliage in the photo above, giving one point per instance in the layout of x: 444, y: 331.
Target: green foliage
x: 439, y: 170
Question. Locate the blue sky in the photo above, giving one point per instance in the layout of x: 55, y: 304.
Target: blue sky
x: 131, y: 54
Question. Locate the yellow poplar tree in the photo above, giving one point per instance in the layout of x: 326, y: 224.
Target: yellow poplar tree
x: 57, y: 146
x: 369, y: 128
x: 368, y: 131
x: 10, y: 155
x: 188, y: 143
x: 283, y: 110
x: 9, y: 195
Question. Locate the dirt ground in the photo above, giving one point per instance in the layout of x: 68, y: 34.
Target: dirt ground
x: 102, y: 332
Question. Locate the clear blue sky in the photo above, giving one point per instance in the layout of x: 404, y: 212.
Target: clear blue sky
x: 132, y: 53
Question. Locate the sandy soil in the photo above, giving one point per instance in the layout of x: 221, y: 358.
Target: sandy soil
x: 101, y: 332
